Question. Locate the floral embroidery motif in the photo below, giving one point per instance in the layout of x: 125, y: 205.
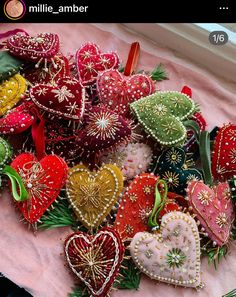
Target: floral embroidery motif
x: 147, y: 190
x: 175, y: 258
x: 63, y: 94
x: 173, y: 156
x: 133, y: 197
x: 205, y: 197
x: 221, y: 220
x: 171, y: 178
x: 129, y: 229
x: 144, y: 214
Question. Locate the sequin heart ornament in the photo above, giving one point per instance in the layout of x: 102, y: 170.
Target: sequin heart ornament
x: 90, y: 60
x: 43, y: 180
x: 93, y: 194
x: 172, y: 255
x: 11, y: 92
x: 117, y: 90
x: 213, y: 208
x: 95, y: 259
x: 162, y: 115
x: 64, y: 100
x: 224, y: 153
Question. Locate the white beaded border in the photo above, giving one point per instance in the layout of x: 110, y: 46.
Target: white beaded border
x: 7, y: 151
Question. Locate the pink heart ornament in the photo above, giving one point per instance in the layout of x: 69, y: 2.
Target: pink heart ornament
x: 213, y: 208
x: 171, y: 255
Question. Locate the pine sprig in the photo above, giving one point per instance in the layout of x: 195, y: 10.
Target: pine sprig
x: 215, y: 254
x: 159, y: 73
x: 79, y: 291
x: 230, y: 294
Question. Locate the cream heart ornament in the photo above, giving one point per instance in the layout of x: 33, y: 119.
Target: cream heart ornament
x: 173, y: 254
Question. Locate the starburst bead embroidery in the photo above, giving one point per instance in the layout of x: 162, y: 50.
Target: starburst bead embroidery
x: 232, y: 134
x: 171, y: 178
x: 41, y: 91
x: 232, y: 155
x: 160, y: 109
x: 72, y: 107
x: 133, y: 197
x: 175, y: 258
x: 177, y: 101
x: 205, y: 197
x: 173, y: 157
x: 147, y: 190
x: 169, y: 128
x: 192, y: 177
x: 91, y: 195
x: 144, y: 214
x: 221, y: 220
x: 63, y: 94
x: 129, y: 229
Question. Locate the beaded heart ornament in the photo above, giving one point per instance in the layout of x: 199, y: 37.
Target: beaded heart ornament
x: 9, y: 65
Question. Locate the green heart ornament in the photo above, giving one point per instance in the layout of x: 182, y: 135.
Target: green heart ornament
x: 5, y: 153
x: 162, y: 114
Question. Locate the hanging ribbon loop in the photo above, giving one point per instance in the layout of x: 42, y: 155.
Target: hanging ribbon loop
x: 132, y: 60
x: 16, y: 183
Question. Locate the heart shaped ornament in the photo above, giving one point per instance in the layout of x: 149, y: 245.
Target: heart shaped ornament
x: 16, y: 120
x: 65, y: 100
x: 172, y: 166
x: 34, y: 48
x: 95, y: 259
x: 137, y: 203
x: 5, y: 152
x: 162, y: 114
x: 224, y: 153
x: 90, y: 60
x: 213, y: 208
x: 117, y: 90
x: 43, y: 180
x: 172, y: 255
x: 93, y: 194
x: 11, y: 92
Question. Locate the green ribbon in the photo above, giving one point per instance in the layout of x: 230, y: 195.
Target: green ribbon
x: 16, y: 183
x: 159, y: 203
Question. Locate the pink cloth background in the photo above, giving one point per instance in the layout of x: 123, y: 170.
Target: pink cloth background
x: 36, y: 262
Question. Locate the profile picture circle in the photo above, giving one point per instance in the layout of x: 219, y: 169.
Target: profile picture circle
x: 14, y: 9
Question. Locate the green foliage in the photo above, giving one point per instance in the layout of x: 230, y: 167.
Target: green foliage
x: 230, y: 294
x: 215, y: 254
x: 79, y: 291
x: 159, y: 73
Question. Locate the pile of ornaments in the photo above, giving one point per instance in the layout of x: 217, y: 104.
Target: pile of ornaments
x: 82, y: 134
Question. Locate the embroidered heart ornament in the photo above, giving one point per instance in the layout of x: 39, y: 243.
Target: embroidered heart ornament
x: 137, y: 203
x: 11, y: 92
x: 17, y: 120
x: 93, y: 194
x: 162, y: 114
x: 213, y: 208
x: 5, y: 152
x: 65, y: 100
x: 224, y: 153
x: 173, y: 254
x: 90, y: 60
x: 34, y: 48
x: 95, y: 259
x: 117, y: 90
x: 43, y: 180
x: 172, y: 166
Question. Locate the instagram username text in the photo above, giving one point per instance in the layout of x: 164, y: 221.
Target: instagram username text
x: 61, y: 9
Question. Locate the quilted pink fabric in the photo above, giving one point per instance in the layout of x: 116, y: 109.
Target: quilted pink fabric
x: 35, y: 262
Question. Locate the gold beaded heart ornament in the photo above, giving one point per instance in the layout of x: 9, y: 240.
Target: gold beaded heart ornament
x: 93, y: 194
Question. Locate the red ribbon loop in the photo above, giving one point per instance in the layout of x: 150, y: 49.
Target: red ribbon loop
x: 132, y: 60
x: 187, y: 91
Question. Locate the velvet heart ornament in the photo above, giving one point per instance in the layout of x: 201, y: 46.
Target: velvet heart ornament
x: 34, y: 48
x: 137, y: 204
x: 65, y: 100
x: 17, y: 120
x: 9, y: 65
x: 43, y: 180
x: 11, y: 91
x: 117, y: 90
x: 172, y: 255
x: 93, y: 194
x: 224, y: 153
x: 172, y: 166
x: 103, y: 130
x: 90, y: 61
x: 162, y: 114
x: 95, y: 259
x: 213, y: 208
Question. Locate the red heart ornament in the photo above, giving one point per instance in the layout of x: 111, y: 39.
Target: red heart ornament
x: 224, y: 153
x: 95, y: 259
x: 117, y: 90
x: 34, y: 48
x: 90, y: 61
x: 137, y: 204
x: 213, y: 208
x: 66, y: 99
x: 17, y: 120
x: 43, y: 181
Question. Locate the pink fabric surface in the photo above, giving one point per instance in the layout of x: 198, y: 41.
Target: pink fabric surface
x: 35, y: 262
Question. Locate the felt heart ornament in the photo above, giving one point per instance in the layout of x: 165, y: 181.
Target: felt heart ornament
x: 65, y: 100
x: 137, y: 203
x: 57, y: 69
x: 172, y: 166
x: 224, y: 153
x: 95, y: 259
x: 172, y: 255
x: 5, y: 152
x: 103, y: 130
x: 11, y: 92
x: 90, y: 61
x: 93, y: 194
x: 34, y: 48
x: 43, y: 180
x: 16, y: 120
x: 9, y: 65
x: 162, y: 114
x: 117, y: 90
x: 213, y: 208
